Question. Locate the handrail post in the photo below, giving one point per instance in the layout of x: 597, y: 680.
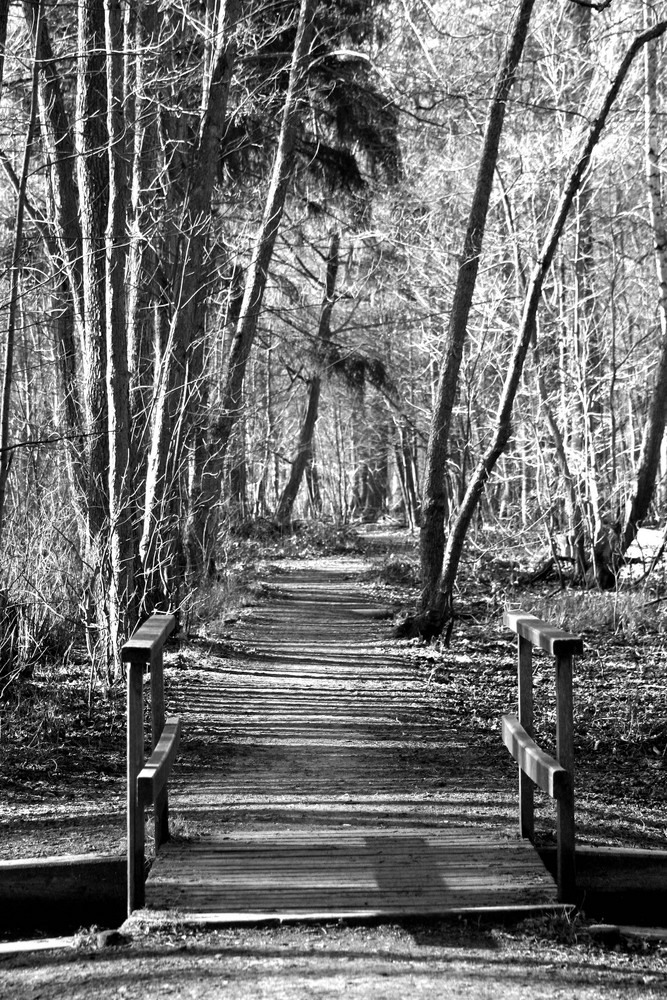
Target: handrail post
x: 565, y: 754
x: 141, y: 652
x: 135, y: 810
x: 525, y: 681
x: 563, y: 646
x: 161, y: 805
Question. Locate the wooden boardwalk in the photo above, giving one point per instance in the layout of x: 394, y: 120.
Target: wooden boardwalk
x: 317, y: 779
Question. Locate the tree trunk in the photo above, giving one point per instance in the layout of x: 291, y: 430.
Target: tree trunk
x: 122, y: 598
x: 93, y: 186
x: 305, y: 446
x: 434, y: 502
x: 8, y: 361
x: 145, y: 297
x: 63, y: 242
x: 654, y: 428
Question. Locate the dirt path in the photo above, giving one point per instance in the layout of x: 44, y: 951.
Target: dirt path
x: 321, y: 722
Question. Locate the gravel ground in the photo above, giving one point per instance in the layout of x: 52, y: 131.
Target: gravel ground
x: 441, y: 959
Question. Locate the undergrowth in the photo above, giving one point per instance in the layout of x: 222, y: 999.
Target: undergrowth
x: 627, y: 612
x: 40, y: 615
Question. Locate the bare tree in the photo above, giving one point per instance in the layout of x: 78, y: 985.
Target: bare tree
x: 611, y: 550
x: 434, y: 505
x: 502, y: 432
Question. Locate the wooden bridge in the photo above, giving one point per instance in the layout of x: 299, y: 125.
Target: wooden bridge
x: 318, y: 779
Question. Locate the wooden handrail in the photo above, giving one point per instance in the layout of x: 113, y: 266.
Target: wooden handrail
x: 143, y: 651
x: 153, y: 777
x: 543, y: 770
x: 547, y: 637
x: 555, y: 776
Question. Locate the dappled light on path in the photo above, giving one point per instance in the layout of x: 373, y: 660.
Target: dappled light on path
x: 317, y: 776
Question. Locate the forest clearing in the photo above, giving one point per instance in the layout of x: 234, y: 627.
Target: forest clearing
x: 377, y: 281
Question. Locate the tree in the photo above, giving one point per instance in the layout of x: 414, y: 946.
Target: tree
x: 525, y: 333
x: 7, y: 368
x: 611, y: 549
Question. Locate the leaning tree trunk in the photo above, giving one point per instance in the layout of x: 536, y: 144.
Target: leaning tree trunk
x: 654, y: 429
x: 303, y: 453
x: 434, y: 498
x: 305, y: 445
x: 433, y: 621
x: 573, y: 507
x: 587, y: 433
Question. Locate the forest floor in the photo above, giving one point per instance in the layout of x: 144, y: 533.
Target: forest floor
x: 63, y: 745
x: 62, y: 791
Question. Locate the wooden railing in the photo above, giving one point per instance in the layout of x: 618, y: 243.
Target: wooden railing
x: 554, y: 776
x: 147, y: 781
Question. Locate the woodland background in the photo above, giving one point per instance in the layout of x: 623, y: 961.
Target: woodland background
x: 269, y: 263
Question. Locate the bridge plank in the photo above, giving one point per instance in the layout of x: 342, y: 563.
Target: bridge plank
x: 386, y: 870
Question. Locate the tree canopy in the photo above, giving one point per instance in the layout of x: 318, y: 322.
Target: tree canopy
x: 351, y: 260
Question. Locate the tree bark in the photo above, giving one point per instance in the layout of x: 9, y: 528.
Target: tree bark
x: 434, y: 498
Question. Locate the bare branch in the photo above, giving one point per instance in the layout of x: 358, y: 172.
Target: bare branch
x: 35, y: 442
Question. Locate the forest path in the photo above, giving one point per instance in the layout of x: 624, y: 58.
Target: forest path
x: 317, y: 777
